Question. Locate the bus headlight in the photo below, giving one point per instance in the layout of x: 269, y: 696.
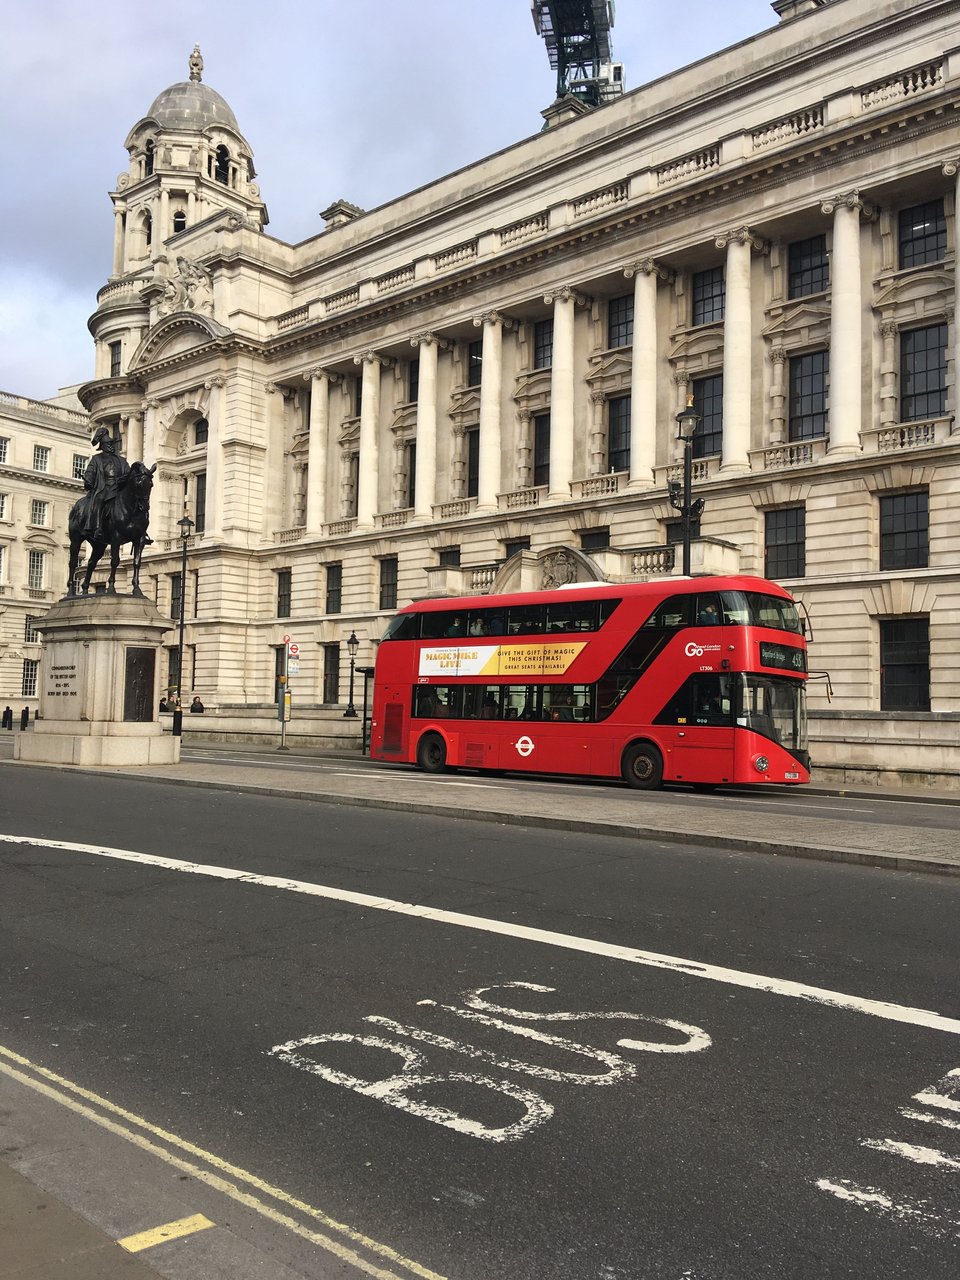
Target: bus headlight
x: 761, y: 764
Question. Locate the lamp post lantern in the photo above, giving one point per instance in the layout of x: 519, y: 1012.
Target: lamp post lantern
x: 185, y: 525
x: 353, y: 648
x: 687, y: 422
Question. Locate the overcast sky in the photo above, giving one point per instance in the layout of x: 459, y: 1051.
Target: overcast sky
x: 361, y: 100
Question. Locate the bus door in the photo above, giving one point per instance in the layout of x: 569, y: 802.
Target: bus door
x: 698, y: 732
x: 393, y: 720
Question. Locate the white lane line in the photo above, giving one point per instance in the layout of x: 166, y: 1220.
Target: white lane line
x: 504, y: 928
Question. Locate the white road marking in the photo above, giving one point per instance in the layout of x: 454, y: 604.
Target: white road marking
x: 909, y: 1114
x: 919, y: 1155
x: 925, y: 1018
x: 875, y: 1201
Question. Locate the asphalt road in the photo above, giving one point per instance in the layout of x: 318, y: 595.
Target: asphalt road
x: 573, y: 1057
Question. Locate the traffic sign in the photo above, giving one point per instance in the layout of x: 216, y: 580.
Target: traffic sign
x: 293, y: 650
x: 293, y: 667
x: 286, y: 639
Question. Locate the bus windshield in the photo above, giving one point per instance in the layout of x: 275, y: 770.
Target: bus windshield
x: 750, y: 608
x: 774, y: 707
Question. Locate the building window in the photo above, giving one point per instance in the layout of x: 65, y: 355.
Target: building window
x: 543, y: 344
x: 36, y: 570
x: 28, y: 685
x: 331, y: 674
x: 809, y: 267
x: 618, y: 434
x: 594, y: 539
x: 41, y: 458
x: 784, y: 543
x: 353, y: 483
x: 200, y: 502
x: 116, y: 350
x: 30, y: 633
x: 201, y: 431
x: 39, y: 512
x: 674, y: 530
x: 4, y: 448
x: 357, y: 395
x: 148, y: 230
x: 148, y: 158
x: 79, y: 466
x: 195, y: 577
x: 472, y: 441
x: 923, y: 234
x: 904, y: 530
x: 474, y: 363
x: 620, y: 321
x: 413, y: 382
x: 512, y: 545
x: 2, y: 562
x: 923, y: 373
x: 3, y: 506
x: 541, y: 449
x: 808, y: 395
x: 708, y: 402
x: 334, y: 585
x: 905, y: 664
x: 448, y: 557
x: 179, y: 222
x: 284, y: 592
x: 388, y: 582
x: 709, y: 296
x: 410, y: 452
x: 176, y: 594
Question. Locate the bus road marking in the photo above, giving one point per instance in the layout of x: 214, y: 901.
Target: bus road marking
x: 169, y: 1231
x: 928, y: 1019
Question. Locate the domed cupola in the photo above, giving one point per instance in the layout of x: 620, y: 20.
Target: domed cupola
x: 188, y: 162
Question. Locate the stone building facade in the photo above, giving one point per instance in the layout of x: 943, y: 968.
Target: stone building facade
x: 44, y: 448
x: 445, y: 392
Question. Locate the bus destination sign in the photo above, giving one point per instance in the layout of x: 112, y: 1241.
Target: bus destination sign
x: 784, y: 657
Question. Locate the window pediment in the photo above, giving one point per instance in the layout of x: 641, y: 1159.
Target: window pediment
x: 914, y: 295
x: 697, y: 348
x: 465, y: 405
x: 175, y: 335
x: 611, y: 371
x: 800, y: 324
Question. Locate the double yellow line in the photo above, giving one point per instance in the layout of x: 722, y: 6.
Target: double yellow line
x: 350, y: 1246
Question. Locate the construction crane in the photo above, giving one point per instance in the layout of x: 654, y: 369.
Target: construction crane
x: 577, y: 36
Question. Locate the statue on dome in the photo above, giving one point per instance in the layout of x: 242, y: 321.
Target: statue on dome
x: 196, y: 64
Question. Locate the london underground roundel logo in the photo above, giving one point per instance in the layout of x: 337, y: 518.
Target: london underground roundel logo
x: 524, y: 746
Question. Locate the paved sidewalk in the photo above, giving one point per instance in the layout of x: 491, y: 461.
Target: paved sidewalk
x: 41, y: 1239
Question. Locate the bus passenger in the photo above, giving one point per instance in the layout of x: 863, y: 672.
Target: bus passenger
x: 491, y: 708
x: 708, y: 614
x: 456, y: 627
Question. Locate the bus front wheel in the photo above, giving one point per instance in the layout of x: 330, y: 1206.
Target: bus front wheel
x: 642, y: 766
x: 432, y: 753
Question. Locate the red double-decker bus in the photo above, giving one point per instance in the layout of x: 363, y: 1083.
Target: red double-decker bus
x: 696, y: 680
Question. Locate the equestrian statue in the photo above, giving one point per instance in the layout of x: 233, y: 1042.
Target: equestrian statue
x: 114, y: 510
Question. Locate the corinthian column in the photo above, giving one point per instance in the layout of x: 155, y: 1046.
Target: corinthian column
x: 737, y: 343
x: 564, y: 302
x: 643, y: 375
x: 426, y: 473
x: 491, y: 386
x: 320, y: 381
x: 369, y: 476
x: 846, y: 326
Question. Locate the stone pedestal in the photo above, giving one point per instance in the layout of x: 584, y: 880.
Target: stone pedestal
x: 100, y: 685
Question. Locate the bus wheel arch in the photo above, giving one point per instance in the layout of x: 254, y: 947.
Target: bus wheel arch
x: 432, y: 753
x: 641, y: 765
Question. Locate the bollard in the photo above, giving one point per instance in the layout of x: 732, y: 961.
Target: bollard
x: 24, y: 717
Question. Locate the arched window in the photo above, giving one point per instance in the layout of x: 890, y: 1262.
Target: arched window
x: 179, y: 221
x: 148, y: 158
x: 201, y: 431
x: 221, y: 172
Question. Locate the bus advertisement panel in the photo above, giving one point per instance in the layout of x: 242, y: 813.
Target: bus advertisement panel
x: 695, y: 680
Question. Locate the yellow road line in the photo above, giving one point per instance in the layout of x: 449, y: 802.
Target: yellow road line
x: 169, y: 1231
x: 393, y: 1258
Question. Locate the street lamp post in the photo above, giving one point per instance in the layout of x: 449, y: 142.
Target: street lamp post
x: 185, y: 525
x: 353, y: 648
x: 687, y: 422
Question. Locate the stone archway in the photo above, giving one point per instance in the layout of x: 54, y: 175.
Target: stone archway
x: 555, y: 566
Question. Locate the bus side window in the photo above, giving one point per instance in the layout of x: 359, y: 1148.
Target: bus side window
x: 672, y: 614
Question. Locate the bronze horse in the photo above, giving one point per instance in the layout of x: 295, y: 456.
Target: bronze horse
x: 125, y: 519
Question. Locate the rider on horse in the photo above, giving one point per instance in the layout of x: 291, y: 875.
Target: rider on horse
x: 103, y: 479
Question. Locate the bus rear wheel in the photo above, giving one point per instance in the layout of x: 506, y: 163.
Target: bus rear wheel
x: 642, y: 766
x: 432, y: 753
